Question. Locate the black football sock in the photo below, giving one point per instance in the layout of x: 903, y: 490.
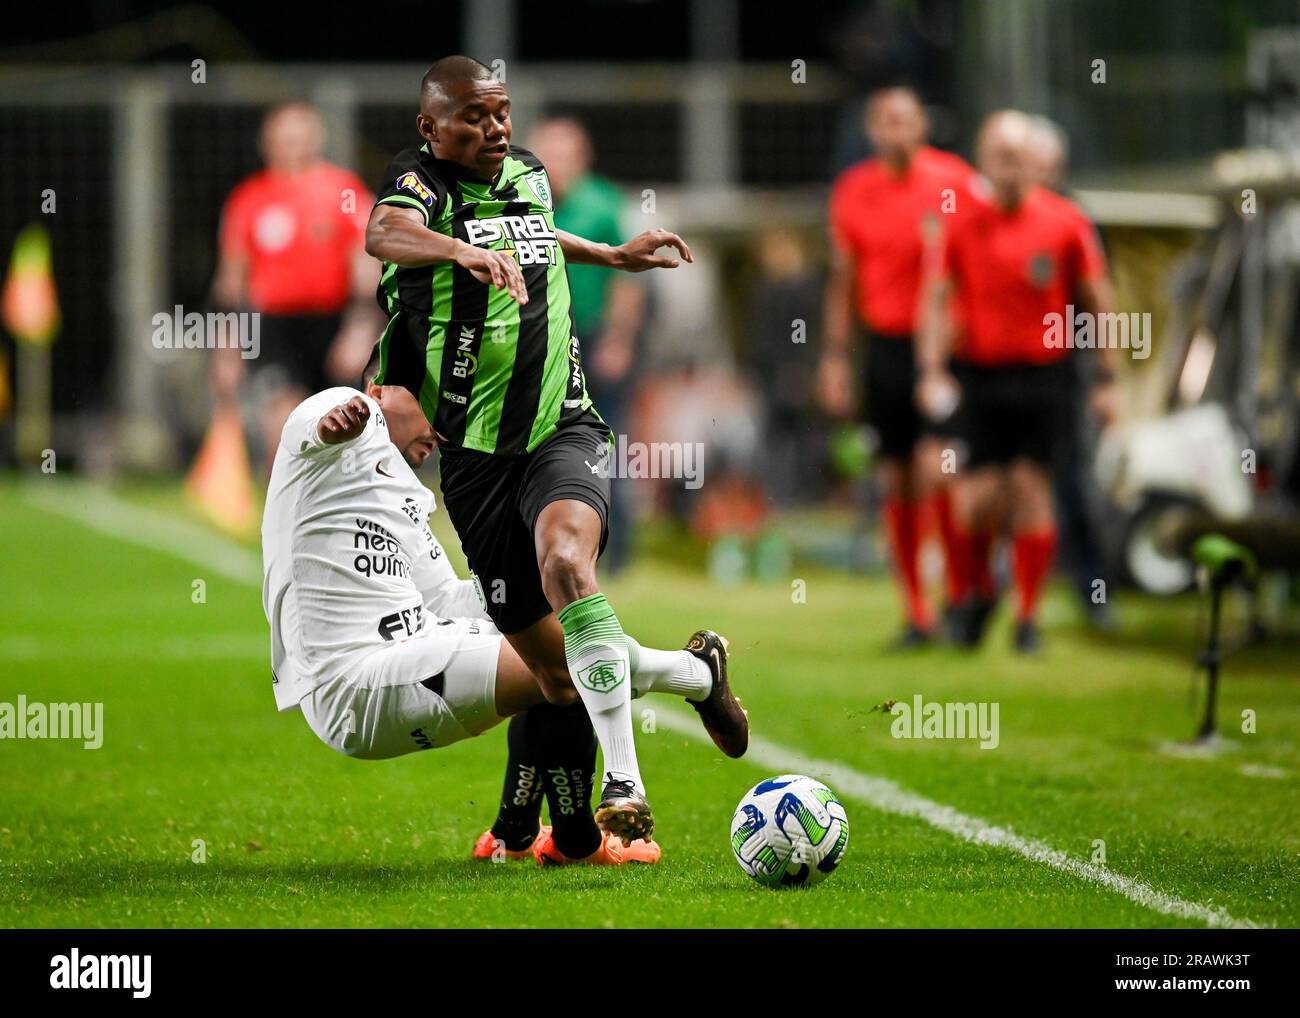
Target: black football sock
x: 521, y: 796
x: 563, y: 743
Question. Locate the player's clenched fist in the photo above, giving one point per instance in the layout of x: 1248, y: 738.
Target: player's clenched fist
x: 346, y: 421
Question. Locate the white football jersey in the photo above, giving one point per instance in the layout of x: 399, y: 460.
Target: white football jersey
x: 348, y: 561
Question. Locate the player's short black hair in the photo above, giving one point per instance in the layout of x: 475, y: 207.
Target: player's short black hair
x: 448, y: 71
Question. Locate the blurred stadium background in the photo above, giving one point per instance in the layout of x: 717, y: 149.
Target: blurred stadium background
x: 735, y: 117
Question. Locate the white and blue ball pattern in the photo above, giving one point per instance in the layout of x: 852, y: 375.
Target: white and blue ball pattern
x: 789, y: 831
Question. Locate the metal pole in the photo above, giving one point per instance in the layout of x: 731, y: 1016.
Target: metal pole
x: 1211, y: 660
x: 336, y: 98
x: 140, y: 241
x: 710, y: 135
x: 490, y: 30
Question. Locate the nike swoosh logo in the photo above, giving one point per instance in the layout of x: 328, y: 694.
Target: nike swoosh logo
x: 770, y: 785
x: 384, y: 472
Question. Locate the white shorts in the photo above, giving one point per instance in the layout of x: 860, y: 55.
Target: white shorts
x: 431, y: 690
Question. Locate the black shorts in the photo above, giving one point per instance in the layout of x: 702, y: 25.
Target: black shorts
x: 494, y: 502
x: 1012, y: 412
x: 889, y: 394
x: 294, y: 349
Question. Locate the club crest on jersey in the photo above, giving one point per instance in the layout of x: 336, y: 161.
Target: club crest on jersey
x: 541, y: 187
x: 410, y: 182
x: 530, y: 239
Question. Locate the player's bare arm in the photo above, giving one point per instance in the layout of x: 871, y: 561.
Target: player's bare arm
x: 636, y: 255
x: 398, y: 235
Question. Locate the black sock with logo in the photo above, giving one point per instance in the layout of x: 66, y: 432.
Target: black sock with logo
x: 521, y: 796
x: 562, y: 741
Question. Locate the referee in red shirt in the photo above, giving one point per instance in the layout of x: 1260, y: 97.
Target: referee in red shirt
x: 885, y: 214
x: 292, y: 249
x: 1008, y: 263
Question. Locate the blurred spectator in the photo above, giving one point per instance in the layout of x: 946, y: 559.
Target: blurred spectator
x: 291, y: 249
x: 783, y: 313
x: 608, y: 307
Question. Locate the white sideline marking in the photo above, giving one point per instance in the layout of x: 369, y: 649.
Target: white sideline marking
x: 889, y: 797
x: 95, y: 507
x: 1264, y: 771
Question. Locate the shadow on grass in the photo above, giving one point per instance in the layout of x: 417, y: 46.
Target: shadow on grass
x: 257, y: 876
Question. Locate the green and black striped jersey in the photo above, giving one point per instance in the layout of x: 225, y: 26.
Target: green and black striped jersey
x: 493, y: 375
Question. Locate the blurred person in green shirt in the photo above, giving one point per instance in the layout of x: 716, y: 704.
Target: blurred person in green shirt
x: 608, y: 312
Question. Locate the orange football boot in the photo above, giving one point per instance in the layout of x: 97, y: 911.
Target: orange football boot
x: 486, y: 846
x: 612, y: 852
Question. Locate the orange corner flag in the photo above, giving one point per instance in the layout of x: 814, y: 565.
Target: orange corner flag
x: 29, y: 307
x: 221, y: 481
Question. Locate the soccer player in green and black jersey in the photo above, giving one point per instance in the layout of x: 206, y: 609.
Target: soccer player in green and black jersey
x: 480, y: 330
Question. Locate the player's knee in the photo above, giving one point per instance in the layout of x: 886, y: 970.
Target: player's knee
x: 567, y: 573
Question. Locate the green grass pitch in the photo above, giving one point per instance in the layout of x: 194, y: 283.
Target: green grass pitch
x: 296, y: 835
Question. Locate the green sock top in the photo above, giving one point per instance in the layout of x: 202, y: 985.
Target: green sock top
x: 583, y: 612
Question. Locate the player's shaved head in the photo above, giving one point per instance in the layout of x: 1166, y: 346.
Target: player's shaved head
x: 465, y: 115
x: 1003, y: 151
x: 896, y: 124
x: 444, y: 78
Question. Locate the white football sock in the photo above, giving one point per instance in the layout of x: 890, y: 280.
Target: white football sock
x: 678, y: 672
x: 596, y: 650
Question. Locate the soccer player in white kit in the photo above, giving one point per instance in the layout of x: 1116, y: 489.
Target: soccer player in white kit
x: 373, y: 636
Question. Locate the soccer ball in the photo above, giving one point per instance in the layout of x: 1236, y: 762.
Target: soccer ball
x: 789, y: 830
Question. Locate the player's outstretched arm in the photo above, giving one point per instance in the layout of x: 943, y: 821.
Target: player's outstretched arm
x: 398, y: 235
x: 636, y: 255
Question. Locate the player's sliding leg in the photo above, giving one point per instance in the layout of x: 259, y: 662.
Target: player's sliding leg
x: 518, y: 823
x: 519, y: 817
x: 563, y: 742
x: 567, y: 535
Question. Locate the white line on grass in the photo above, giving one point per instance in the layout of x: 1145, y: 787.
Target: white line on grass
x: 95, y: 507
x: 889, y: 797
